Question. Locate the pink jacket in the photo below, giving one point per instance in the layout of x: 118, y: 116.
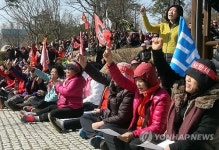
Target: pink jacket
x: 157, y: 120
x: 71, y: 93
x: 159, y: 107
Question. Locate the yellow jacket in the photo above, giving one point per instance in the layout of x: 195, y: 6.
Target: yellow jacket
x: 169, y: 35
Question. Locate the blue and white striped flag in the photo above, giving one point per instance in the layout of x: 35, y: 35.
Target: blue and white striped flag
x: 185, y: 52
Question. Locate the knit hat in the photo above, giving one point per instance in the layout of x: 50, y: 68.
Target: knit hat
x: 204, y: 72
x: 147, y: 72
x: 125, y: 69
x: 135, y: 61
x: 179, y: 11
x: 75, y: 66
x: 143, y: 45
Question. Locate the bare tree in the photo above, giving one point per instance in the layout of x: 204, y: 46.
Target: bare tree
x: 38, y: 17
x: 117, y: 10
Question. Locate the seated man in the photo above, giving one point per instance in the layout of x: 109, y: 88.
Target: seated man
x: 145, y: 54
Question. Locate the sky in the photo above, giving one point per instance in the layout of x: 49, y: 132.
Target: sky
x: 4, y: 17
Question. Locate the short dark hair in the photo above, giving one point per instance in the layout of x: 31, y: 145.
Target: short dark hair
x: 60, y: 70
x: 179, y: 11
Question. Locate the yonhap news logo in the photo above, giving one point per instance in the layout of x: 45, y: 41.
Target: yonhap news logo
x: 149, y: 136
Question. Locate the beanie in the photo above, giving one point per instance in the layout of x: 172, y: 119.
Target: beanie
x: 147, y: 72
x: 125, y: 69
x: 204, y: 72
x: 179, y: 11
x: 75, y: 66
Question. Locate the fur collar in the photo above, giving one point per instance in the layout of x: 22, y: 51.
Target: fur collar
x: 207, y: 99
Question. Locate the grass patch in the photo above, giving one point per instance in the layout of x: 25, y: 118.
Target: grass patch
x: 121, y: 55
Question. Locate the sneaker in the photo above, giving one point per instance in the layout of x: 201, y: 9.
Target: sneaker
x: 60, y: 123
x: 27, y: 118
x: 53, y: 122
x: 95, y: 141
x: 24, y: 113
x: 27, y: 108
x: 82, y: 134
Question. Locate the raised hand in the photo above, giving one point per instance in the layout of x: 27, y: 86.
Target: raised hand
x: 108, y: 57
x: 143, y: 10
x: 8, y: 64
x: 14, y: 62
x: 157, y: 43
x: 82, y: 60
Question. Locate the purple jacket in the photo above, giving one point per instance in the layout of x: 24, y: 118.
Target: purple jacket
x: 71, y: 93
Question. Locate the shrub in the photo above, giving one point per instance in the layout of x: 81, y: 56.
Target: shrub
x: 122, y: 55
x: 125, y: 55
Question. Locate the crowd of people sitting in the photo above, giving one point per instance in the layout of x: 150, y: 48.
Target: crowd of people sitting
x: 57, y: 48
x: 134, y: 98
x: 144, y: 101
x: 137, y: 99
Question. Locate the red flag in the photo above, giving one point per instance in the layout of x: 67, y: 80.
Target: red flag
x: 44, y: 57
x: 103, y: 35
x: 81, y: 44
x: 33, y: 56
x: 86, y: 23
x: 99, y: 27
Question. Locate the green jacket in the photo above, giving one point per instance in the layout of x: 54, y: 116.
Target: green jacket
x: 169, y: 35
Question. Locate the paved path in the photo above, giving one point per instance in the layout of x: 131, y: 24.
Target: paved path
x: 15, y: 135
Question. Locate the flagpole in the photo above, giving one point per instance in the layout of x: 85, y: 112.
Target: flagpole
x: 87, y: 34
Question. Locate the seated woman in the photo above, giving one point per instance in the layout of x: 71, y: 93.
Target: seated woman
x: 150, y: 106
x: 51, y: 96
x: 193, y: 117
x: 70, y: 101
x: 119, y: 105
x: 6, y: 84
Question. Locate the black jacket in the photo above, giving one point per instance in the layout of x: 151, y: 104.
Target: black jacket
x: 207, y: 102
x: 120, y: 101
